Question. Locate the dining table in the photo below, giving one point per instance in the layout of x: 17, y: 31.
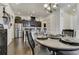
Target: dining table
x: 56, y: 45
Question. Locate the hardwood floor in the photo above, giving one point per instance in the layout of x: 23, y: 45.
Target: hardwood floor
x: 18, y: 47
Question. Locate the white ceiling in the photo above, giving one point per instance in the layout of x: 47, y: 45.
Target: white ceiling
x: 38, y: 10
x: 28, y: 9
x: 70, y: 8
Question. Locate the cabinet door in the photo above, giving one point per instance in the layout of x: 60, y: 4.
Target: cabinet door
x: 38, y: 24
x: 3, y: 42
x: 32, y: 23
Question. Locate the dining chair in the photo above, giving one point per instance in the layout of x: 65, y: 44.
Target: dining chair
x: 71, y: 33
x: 33, y: 45
x: 30, y: 41
x: 68, y: 32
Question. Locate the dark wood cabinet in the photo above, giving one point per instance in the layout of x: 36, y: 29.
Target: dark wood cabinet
x: 3, y: 41
x: 18, y: 19
x: 27, y: 23
x: 38, y: 24
x: 32, y: 23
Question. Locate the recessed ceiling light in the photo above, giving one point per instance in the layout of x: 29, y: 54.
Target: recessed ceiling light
x: 68, y: 5
x: 45, y: 5
x: 74, y: 9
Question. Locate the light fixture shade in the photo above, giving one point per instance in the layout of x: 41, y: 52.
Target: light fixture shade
x: 68, y: 5
x: 54, y: 6
x: 48, y: 8
x: 45, y: 5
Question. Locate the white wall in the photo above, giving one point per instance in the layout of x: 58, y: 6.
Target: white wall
x: 67, y: 20
x: 10, y: 33
x: 77, y: 25
x: 61, y: 20
x: 77, y: 22
x: 53, y: 23
x: 1, y: 22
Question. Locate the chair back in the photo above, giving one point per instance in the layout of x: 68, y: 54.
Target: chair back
x: 68, y: 32
x: 30, y: 40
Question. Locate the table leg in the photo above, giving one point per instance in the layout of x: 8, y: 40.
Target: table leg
x: 54, y: 52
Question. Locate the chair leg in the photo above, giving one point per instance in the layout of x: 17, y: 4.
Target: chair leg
x: 53, y: 52
x: 33, y: 52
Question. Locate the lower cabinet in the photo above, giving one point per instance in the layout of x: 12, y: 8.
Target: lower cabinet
x: 3, y: 41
